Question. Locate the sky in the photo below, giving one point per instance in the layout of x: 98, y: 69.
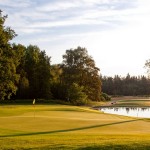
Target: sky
x: 116, y: 33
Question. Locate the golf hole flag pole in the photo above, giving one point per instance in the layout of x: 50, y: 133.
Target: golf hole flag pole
x: 34, y: 107
x: 33, y: 101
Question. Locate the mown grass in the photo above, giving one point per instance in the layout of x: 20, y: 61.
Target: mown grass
x: 69, y: 127
x: 129, y: 102
x: 77, y: 141
x: 143, y: 103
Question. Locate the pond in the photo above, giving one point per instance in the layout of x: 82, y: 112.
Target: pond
x: 142, y: 112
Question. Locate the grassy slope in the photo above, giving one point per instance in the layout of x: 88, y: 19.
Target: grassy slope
x: 69, y: 127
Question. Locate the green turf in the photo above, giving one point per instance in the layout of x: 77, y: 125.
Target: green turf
x: 69, y: 127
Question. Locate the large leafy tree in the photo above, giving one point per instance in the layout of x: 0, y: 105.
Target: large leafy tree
x: 79, y: 67
x: 9, y: 60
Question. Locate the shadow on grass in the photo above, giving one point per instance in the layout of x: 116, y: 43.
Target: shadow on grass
x: 116, y: 147
x: 106, y: 146
x: 68, y: 130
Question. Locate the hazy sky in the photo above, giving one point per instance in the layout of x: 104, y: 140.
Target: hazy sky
x: 116, y: 33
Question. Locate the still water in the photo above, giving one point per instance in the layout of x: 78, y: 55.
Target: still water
x: 128, y: 111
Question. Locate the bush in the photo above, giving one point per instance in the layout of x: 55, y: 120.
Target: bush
x: 105, y: 97
x: 76, y: 95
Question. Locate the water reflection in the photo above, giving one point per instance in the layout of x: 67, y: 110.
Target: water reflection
x: 128, y: 111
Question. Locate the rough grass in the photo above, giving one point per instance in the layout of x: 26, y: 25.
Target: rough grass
x: 69, y: 127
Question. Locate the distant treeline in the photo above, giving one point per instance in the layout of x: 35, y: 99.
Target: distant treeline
x: 127, y: 86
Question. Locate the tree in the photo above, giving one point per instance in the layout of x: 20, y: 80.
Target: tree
x: 58, y: 89
x: 37, y: 67
x: 23, y: 85
x: 44, y: 75
x: 127, y: 86
x: 9, y: 60
x: 107, y: 85
x: 147, y: 66
x: 79, y: 67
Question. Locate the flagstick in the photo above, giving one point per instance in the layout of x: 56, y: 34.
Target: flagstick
x: 34, y: 107
x: 34, y: 110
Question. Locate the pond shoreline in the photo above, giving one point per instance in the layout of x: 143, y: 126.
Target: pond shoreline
x: 131, y: 103
x: 98, y: 107
x: 124, y: 102
x: 140, y: 112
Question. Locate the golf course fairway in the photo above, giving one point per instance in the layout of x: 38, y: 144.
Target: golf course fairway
x: 69, y: 127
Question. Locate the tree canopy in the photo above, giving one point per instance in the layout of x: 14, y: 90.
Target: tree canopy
x: 79, y: 67
x: 9, y: 60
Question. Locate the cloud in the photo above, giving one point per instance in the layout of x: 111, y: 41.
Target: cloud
x: 85, y: 15
x: 112, y: 30
x: 15, y: 3
x: 59, y: 17
x: 58, y: 6
x: 64, y: 13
